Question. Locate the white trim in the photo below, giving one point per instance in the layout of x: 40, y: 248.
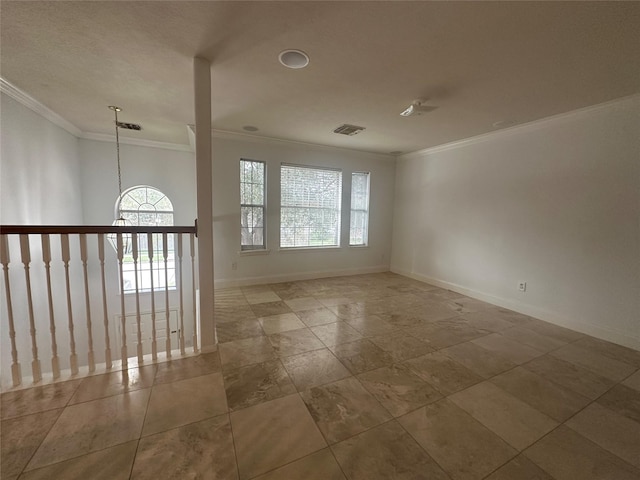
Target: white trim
x: 45, y: 112
x: 140, y: 142
x: 319, y: 248
x: 250, y: 253
x: 518, y: 129
x: 34, y: 105
x: 612, y: 335
x: 293, y: 277
x: 245, y: 137
x: 191, y: 133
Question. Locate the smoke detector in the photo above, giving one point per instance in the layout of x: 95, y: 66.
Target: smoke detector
x: 417, y: 108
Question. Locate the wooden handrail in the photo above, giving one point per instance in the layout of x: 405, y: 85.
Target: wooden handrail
x: 73, y: 229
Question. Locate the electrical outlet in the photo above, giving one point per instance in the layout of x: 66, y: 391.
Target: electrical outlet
x: 234, y: 265
x: 522, y: 286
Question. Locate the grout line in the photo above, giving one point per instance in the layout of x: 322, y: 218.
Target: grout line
x: 380, y: 282
x: 135, y: 454
x: 42, y: 441
x: 233, y: 441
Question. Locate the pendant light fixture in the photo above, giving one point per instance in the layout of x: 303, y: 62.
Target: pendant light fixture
x: 120, y: 220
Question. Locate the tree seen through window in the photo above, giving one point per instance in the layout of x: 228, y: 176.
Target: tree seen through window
x: 148, y: 206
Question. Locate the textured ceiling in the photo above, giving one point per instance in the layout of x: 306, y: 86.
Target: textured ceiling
x: 480, y: 62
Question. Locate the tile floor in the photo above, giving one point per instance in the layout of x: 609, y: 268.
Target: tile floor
x: 364, y: 377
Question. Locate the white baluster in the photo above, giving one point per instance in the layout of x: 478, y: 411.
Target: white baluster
x: 165, y: 254
x: 46, y: 258
x: 181, y: 301
x: 134, y: 243
x: 5, y: 258
x: 26, y: 260
x: 192, y: 252
x: 154, y: 345
x: 107, y: 341
x: 123, y: 320
x: 87, y: 301
x: 66, y: 257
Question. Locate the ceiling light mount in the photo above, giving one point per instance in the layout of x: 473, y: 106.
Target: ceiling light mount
x: 295, y: 59
x: 417, y: 108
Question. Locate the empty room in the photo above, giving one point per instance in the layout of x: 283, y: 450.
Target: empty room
x: 282, y: 240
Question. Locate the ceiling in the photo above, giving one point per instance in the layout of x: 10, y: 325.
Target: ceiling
x: 479, y: 62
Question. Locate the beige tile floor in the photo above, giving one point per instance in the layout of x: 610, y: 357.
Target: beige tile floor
x: 363, y: 377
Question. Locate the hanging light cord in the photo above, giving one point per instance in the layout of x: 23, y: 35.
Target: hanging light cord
x: 116, y: 110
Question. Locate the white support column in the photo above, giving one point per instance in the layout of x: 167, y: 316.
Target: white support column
x: 107, y: 341
x: 180, y: 284
x: 66, y: 258
x: 167, y: 313
x: 26, y: 260
x: 154, y: 344
x: 46, y: 258
x: 204, y: 181
x: 84, y: 257
x: 134, y: 245
x: 5, y: 259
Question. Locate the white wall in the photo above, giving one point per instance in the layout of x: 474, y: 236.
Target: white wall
x: 49, y: 176
x: 170, y: 171
x: 40, y: 171
x: 39, y: 184
x: 280, y: 265
x: 555, y: 203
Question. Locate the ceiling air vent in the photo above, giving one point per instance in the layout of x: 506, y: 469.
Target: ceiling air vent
x: 348, y: 129
x: 129, y: 126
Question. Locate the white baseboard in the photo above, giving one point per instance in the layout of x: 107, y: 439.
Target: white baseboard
x: 608, y: 334
x: 209, y: 348
x: 293, y: 277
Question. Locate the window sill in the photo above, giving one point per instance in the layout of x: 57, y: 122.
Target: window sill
x: 307, y: 249
x: 249, y: 253
x: 358, y: 246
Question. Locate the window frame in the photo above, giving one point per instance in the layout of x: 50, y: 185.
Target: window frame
x: 158, y: 258
x: 365, y: 211
x: 263, y: 206
x: 335, y: 211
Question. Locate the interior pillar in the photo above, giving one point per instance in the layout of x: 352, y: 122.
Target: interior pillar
x: 204, y: 200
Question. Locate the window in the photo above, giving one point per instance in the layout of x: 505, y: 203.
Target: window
x: 359, y: 227
x: 147, y: 206
x: 309, y: 206
x: 252, y: 196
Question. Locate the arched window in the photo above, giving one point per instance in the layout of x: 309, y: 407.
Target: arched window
x: 147, y: 206
x: 144, y: 205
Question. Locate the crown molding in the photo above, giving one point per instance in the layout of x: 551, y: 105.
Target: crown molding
x: 191, y: 133
x: 34, y: 105
x: 522, y: 128
x: 140, y: 142
x: 48, y: 114
x: 245, y: 137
